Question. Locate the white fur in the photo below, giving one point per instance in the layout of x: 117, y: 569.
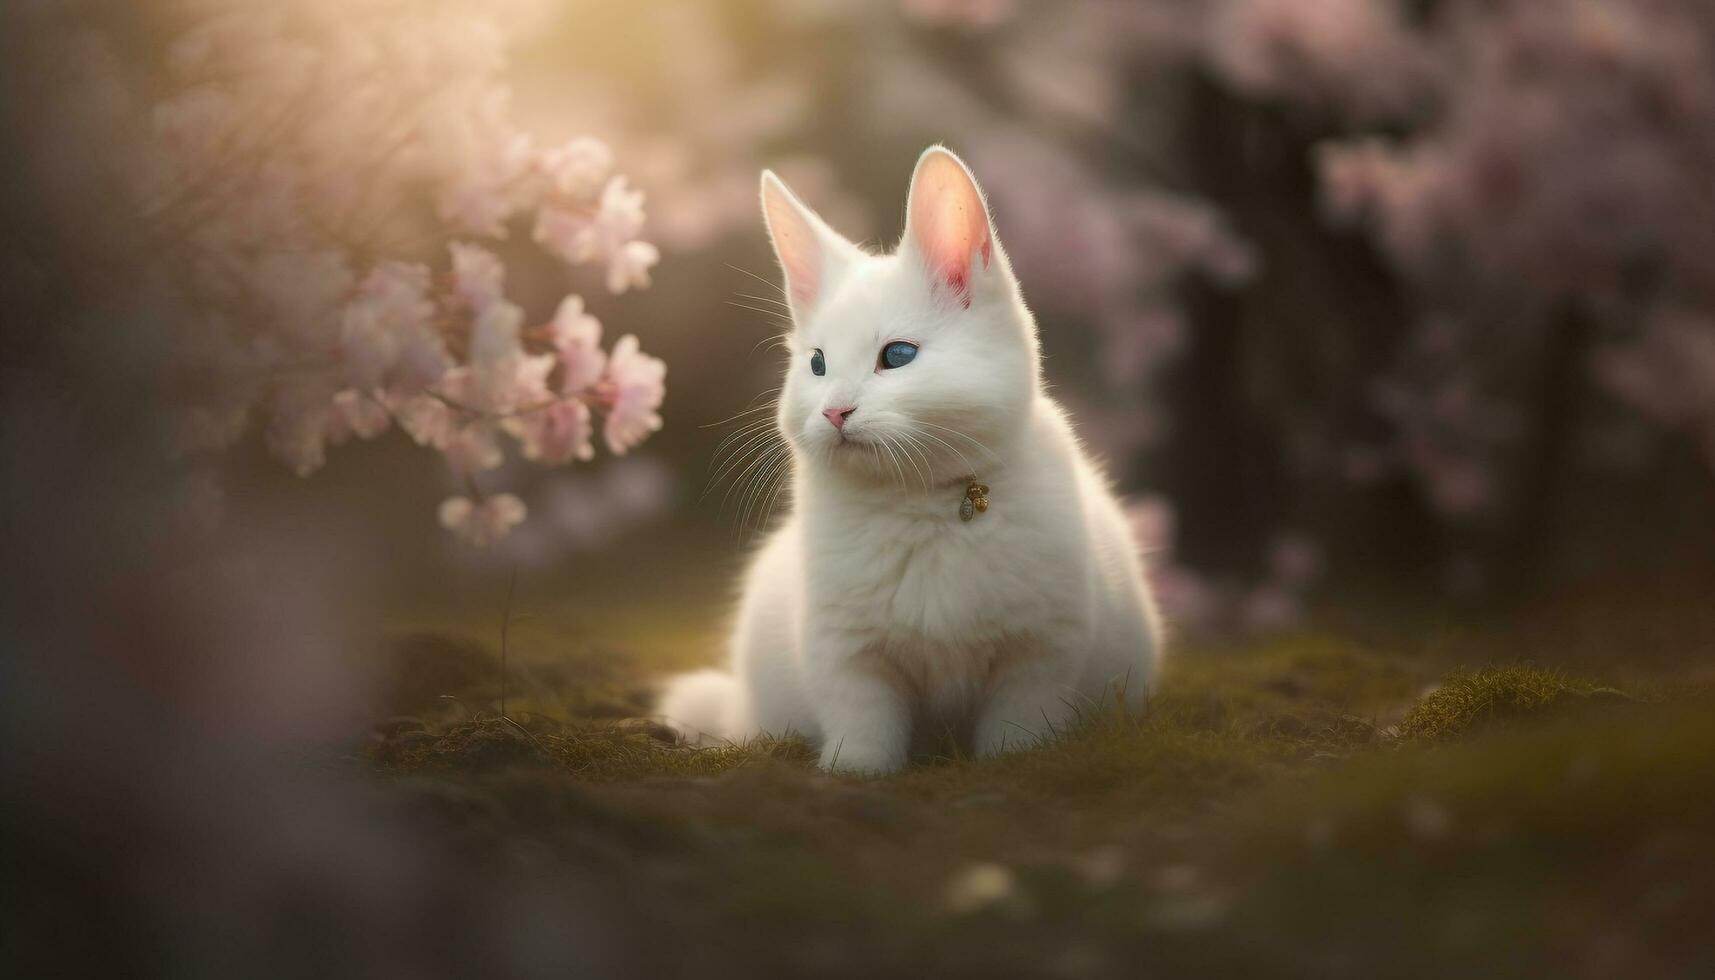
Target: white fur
x: 874, y: 615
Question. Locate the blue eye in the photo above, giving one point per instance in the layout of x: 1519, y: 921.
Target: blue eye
x: 818, y: 366
x: 897, y: 354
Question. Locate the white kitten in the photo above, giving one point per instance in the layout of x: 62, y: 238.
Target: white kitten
x: 878, y: 611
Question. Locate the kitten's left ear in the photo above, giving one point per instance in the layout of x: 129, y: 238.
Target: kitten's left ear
x: 947, y: 225
x: 811, y: 254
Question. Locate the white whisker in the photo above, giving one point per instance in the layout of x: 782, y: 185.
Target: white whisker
x: 909, y: 458
x: 928, y: 464
x: 971, y: 470
x: 764, y: 299
x: 757, y: 309
x: 766, y: 282
x: 991, y: 454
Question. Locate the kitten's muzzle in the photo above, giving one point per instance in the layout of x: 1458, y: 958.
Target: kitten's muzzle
x: 837, y: 416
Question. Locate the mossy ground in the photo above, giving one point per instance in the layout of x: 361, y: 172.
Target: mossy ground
x: 1340, y: 802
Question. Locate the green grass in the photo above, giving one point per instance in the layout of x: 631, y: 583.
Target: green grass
x: 1333, y: 803
x: 590, y: 753
x: 1469, y: 700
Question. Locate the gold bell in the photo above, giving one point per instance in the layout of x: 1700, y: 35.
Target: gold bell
x: 976, y: 501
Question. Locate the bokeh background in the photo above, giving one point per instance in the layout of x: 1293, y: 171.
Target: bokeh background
x: 1391, y: 318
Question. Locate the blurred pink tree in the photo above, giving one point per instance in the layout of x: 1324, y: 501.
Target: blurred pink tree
x: 1534, y: 306
x: 322, y: 184
x: 1355, y: 284
x: 1537, y: 175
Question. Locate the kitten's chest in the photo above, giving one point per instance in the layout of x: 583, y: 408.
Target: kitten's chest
x: 931, y: 577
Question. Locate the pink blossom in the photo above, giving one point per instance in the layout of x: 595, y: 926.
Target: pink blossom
x: 496, y: 334
x: 616, y: 222
x: 479, y: 280
x: 297, y: 433
x: 557, y: 433
x: 1402, y: 192
x: 618, y: 219
x: 630, y: 266
x: 482, y: 524
x: 387, y: 329
x: 501, y: 378
x: 289, y: 160
x: 1668, y: 372
x: 425, y: 418
x: 562, y: 233
x: 356, y: 413
x: 472, y: 449
x: 528, y: 385
x: 1352, y: 53
x: 1185, y: 232
x: 577, y: 337
x: 578, y: 169
x: 636, y: 385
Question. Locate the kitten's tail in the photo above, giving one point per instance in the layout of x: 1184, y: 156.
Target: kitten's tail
x: 703, y: 706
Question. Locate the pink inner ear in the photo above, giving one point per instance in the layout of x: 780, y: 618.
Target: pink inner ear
x: 949, y: 222
x: 795, y: 242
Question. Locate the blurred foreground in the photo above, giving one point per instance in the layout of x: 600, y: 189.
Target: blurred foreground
x: 1386, y: 794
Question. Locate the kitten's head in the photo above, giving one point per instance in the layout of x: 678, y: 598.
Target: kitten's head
x: 917, y: 366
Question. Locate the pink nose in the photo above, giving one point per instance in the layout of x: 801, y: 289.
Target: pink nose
x: 838, y: 416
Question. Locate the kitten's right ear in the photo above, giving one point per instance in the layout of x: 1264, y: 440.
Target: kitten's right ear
x: 811, y: 254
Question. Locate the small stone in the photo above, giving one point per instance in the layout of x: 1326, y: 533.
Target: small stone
x: 980, y: 886
x: 966, y: 509
x: 1103, y: 866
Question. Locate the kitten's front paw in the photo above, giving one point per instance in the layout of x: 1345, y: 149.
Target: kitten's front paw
x: 872, y: 759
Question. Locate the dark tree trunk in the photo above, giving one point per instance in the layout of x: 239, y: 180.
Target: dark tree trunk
x: 1526, y: 557
x: 1321, y: 320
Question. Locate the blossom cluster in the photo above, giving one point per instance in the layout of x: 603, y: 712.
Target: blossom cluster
x: 1355, y: 57
x: 1481, y: 166
x: 333, y: 186
x: 1534, y: 172
x: 1558, y: 164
